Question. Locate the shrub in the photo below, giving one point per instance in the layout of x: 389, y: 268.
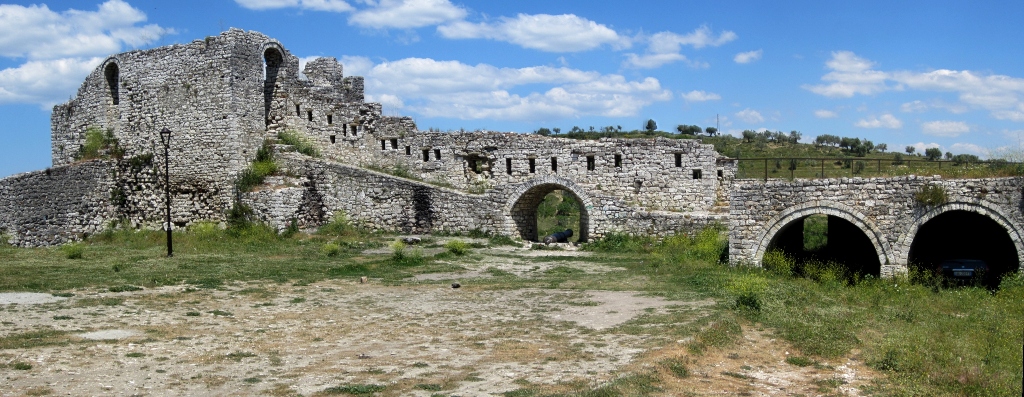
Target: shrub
x: 457, y: 247
x: 331, y: 249
x: 748, y: 290
x: 301, y: 143
x: 99, y: 145
x: 73, y: 250
x: 339, y: 225
x: 239, y: 216
x: 777, y: 262
x: 931, y: 195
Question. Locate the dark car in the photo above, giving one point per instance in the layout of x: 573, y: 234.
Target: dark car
x: 964, y: 269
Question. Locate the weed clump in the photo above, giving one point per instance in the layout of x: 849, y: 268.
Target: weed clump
x: 73, y: 250
x: 301, y: 143
x: 931, y: 195
x: 457, y: 247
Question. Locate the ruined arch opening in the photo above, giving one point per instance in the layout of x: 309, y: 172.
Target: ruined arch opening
x: 272, y: 60
x: 113, y: 75
x: 964, y: 235
x: 550, y: 208
x: 818, y: 240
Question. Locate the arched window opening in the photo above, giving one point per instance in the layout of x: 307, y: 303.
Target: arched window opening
x: 824, y: 246
x: 113, y: 75
x: 548, y: 209
x: 272, y: 60
x: 960, y: 236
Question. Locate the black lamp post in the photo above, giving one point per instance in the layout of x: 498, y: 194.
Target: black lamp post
x: 165, y: 137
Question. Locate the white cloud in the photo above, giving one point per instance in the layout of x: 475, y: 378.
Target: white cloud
x: 62, y: 48
x: 44, y: 82
x: 920, y: 147
x: 315, y: 5
x: 750, y: 116
x: 968, y: 148
x: 850, y: 75
x: 665, y: 47
x: 406, y: 14
x: 748, y: 57
x: 700, y: 96
x: 825, y: 114
x: 886, y: 121
x: 914, y: 107
x: 453, y: 89
x: 36, y: 32
x: 945, y: 128
x: 551, y: 33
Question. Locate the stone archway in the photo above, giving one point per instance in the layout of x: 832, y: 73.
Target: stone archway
x: 906, y: 238
x: 521, y: 208
x: 785, y: 218
x: 273, y: 58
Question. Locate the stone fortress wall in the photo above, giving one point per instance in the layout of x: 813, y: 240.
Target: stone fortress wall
x: 223, y: 96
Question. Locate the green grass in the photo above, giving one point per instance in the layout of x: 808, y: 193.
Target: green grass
x: 924, y: 339
x: 301, y: 142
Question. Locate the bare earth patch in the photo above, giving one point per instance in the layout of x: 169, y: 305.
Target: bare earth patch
x: 413, y: 340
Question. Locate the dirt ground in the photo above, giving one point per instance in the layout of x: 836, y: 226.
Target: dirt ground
x: 420, y: 339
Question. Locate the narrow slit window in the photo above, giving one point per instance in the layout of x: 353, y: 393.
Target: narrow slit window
x: 383, y: 144
x: 554, y: 164
x: 355, y: 130
x: 590, y: 163
x: 332, y: 139
x: 394, y: 143
x: 533, y: 165
x: 618, y: 160
x: 426, y: 155
x: 408, y: 151
x: 679, y: 160
x: 330, y: 119
x: 508, y: 166
x: 309, y: 115
x: 437, y: 154
x: 697, y: 174
x: 298, y: 111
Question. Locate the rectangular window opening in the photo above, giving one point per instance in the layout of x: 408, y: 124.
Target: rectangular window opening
x: 408, y: 151
x: 679, y: 160
x: 298, y: 111
x: 437, y: 154
x: 330, y: 119
x: 394, y: 143
x: 309, y: 115
x: 697, y: 174
x: 721, y: 173
x: 508, y: 166
x: 618, y: 160
x: 554, y: 164
x: 533, y: 165
x: 383, y: 144
x: 332, y: 139
x: 426, y: 155
x: 590, y: 163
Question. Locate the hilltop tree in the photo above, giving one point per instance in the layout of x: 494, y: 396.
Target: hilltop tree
x: 910, y: 150
x: 543, y: 131
x: 933, y: 154
x: 688, y: 129
x: 711, y: 131
x: 881, y: 147
x: 651, y: 125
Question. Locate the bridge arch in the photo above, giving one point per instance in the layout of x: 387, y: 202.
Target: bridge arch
x: 906, y: 238
x: 784, y: 218
x: 521, y: 207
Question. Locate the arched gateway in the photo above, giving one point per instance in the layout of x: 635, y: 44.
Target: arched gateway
x: 522, y: 206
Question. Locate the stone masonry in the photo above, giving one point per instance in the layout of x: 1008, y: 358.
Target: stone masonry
x: 223, y: 96
x: 884, y: 209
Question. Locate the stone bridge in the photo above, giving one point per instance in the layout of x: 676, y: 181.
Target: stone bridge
x: 979, y: 218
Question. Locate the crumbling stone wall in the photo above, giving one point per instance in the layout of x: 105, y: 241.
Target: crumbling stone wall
x: 56, y: 205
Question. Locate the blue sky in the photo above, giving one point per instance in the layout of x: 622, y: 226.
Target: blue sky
x: 922, y: 73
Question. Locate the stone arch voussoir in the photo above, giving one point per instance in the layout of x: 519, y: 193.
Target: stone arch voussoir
x: 517, y: 193
x: 835, y: 209
x: 906, y: 238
